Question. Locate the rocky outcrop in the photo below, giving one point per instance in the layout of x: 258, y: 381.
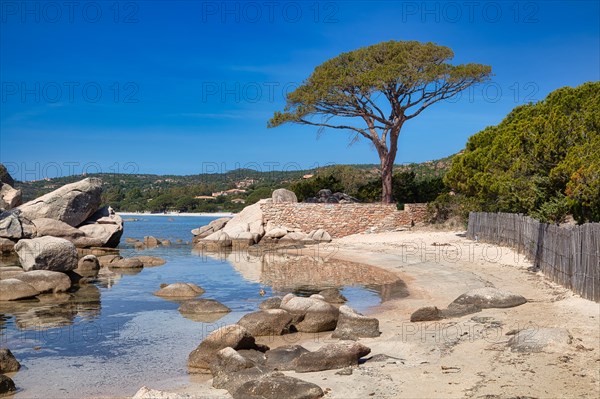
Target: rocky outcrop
x: 9, y: 197
x: 312, y: 315
x: 352, y: 324
x: 8, y: 362
x: 46, y: 280
x: 214, y: 242
x: 489, y: 297
x: 233, y: 336
x: 180, y: 290
x: 12, y: 289
x: 267, y: 322
x: 47, y: 253
x: 332, y: 356
x: 282, y: 195
x: 104, y: 225
x: 212, y: 227
x: 10, y: 226
x: 72, y: 203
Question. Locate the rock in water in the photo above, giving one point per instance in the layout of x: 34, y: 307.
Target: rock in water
x: 489, y: 297
x: 278, y: 385
x: 267, y: 322
x: 88, y: 263
x: 47, y: 253
x: 333, y: 295
x: 282, y: 195
x: 46, y: 280
x: 332, y: 356
x: 6, y: 384
x: 353, y: 324
x: 149, y: 393
x: 72, y: 203
x: 203, y: 306
x: 8, y: 362
x: 234, y: 336
x: 180, y: 290
x: 12, y: 289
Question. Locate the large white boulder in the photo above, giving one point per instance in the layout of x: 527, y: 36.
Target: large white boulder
x: 47, y: 253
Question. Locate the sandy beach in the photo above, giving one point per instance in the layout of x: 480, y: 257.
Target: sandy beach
x: 465, y: 356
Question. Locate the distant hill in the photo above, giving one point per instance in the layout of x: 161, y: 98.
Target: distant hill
x: 229, y: 191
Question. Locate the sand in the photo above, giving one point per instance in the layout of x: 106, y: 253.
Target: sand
x: 466, y: 356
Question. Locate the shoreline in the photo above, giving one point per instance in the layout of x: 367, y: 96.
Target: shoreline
x: 464, y: 356
x: 199, y: 214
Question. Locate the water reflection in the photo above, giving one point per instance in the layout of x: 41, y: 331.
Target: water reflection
x: 54, y: 310
x: 290, y: 270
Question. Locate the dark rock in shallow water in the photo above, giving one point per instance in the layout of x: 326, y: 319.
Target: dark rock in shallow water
x: 179, y: 290
x: 203, y: 306
x: 6, y: 384
x: 8, y: 362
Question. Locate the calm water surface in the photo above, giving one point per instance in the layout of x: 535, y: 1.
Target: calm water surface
x: 114, y: 336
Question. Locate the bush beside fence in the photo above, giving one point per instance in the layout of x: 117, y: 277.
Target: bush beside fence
x: 567, y: 256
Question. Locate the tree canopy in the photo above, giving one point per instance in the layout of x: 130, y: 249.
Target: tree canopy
x: 543, y: 159
x: 380, y: 86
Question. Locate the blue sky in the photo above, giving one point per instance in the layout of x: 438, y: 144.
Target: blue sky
x: 183, y: 87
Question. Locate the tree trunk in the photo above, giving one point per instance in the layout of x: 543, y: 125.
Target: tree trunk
x: 387, y: 166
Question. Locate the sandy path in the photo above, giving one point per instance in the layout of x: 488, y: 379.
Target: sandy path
x: 462, y: 357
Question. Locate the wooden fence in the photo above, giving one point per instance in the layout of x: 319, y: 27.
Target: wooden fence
x: 567, y: 256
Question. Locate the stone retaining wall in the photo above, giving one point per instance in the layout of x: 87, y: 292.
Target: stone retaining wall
x: 340, y: 220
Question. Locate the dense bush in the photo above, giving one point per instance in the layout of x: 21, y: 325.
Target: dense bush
x: 543, y: 159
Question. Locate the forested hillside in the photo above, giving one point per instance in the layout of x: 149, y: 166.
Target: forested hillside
x: 240, y: 187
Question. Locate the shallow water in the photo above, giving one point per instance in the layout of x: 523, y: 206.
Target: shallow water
x: 112, y: 337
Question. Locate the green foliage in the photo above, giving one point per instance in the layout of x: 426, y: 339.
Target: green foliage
x: 406, y: 189
x: 308, y: 188
x: 258, y: 194
x: 543, y: 159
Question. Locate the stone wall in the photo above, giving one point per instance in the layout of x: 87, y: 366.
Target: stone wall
x: 340, y: 220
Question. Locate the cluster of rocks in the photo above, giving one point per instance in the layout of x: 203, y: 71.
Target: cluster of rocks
x: 149, y: 242
x: 248, y: 228
x: 9, y: 196
x: 325, y: 196
x: 470, y: 302
x: 248, y: 369
x: 8, y: 364
x: 245, y: 368
x: 72, y: 212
